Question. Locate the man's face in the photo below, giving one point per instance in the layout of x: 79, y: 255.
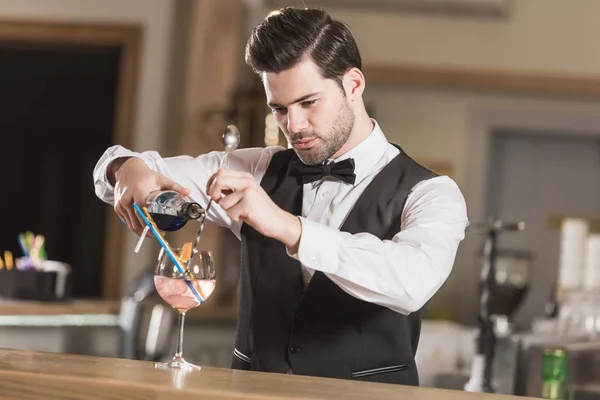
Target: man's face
x: 312, y: 111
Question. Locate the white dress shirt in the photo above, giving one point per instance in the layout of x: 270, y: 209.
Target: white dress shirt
x: 402, y: 273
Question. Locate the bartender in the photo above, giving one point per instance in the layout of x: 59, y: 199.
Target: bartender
x: 344, y: 237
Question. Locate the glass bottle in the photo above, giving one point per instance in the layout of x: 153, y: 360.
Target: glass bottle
x: 171, y: 210
x: 554, y: 374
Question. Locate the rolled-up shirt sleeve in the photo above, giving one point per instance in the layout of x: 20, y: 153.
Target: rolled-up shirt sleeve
x: 402, y: 273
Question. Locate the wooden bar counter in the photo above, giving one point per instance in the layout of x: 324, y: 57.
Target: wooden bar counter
x: 37, y: 375
x: 72, y: 307
x: 22, y: 313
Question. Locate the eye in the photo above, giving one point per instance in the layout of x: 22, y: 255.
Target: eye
x: 279, y: 110
x: 308, y: 103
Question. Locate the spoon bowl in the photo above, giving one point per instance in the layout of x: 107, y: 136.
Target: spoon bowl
x: 231, y: 138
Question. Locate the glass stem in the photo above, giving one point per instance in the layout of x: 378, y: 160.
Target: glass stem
x: 179, y: 351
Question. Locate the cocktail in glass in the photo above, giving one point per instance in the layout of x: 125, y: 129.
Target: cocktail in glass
x: 184, y: 291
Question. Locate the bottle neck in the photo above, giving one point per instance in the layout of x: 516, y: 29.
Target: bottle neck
x: 553, y: 390
x: 191, y: 211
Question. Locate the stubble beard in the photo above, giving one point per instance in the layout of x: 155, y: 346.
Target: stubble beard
x: 327, y: 146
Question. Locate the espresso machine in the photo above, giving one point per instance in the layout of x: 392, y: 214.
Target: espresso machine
x: 507, y: 360
x: 504, y: 283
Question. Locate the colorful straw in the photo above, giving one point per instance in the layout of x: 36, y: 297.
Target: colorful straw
x: 23, y: 244
x: 150, y: 223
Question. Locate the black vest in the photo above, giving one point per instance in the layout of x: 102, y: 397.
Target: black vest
x: 321, y: 330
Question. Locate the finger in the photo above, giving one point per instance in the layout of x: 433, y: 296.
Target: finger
x: 143, y: 225
x: 138, y: 217
x: 232, y: 172
x: 238, y: 212
x: 119, y: 206
x: 225, y: 174
x: 122, y: 213
x: 134, y: 223
x: 210, y: 182
x: 231, y: 199
x: 166, y: 183
x: 223, y: 185
x: 140, y: 220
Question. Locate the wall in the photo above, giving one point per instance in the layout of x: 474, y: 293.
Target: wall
x: 155, y: 16
x: 542, y: 36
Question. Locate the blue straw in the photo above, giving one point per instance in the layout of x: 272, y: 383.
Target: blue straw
x: 168, y: 250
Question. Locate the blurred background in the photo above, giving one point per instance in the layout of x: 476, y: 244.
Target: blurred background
x: 501, y: 95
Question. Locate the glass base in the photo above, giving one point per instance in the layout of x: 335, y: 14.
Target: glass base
x: 177, y: 362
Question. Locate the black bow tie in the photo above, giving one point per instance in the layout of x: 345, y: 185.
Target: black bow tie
x: 343, y: 170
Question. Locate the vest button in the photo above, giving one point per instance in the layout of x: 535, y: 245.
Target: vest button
x: 295, y: 350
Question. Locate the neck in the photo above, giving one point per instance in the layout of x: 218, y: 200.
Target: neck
x: 363, y: 126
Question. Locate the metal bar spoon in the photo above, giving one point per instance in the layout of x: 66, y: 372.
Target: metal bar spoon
x: 231, y: 141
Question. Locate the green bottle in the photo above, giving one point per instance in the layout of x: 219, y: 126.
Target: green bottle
x: 554, y: 374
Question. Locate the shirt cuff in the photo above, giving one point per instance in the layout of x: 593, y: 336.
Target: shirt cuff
x: 104, y: 190
x: 319, y: 247
x: 130, y: 155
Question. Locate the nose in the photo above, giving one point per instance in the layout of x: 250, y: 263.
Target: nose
x: 297, y: 121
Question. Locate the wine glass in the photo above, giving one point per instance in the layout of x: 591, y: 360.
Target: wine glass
x: 184, y: 291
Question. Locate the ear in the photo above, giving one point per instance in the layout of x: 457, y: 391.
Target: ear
x: 354, y: 83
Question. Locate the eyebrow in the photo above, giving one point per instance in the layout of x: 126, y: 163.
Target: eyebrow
x: 299, y: 100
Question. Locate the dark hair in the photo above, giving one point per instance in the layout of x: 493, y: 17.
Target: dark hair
x: 284, y: 38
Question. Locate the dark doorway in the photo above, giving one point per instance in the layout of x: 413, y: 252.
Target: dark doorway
x: 57, y: 113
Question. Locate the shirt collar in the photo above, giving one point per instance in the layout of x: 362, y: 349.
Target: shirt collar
x: 367, y: 153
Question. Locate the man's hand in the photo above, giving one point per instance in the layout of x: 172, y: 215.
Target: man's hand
x: 240, y: 195
x: 134, y: 182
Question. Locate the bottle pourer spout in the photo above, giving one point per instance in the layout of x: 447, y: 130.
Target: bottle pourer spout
x: 194, y: 211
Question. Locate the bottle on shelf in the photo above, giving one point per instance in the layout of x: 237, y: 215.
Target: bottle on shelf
x: 554, y: 374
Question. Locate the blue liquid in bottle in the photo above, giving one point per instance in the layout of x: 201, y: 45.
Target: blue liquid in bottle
x: 171, y: 211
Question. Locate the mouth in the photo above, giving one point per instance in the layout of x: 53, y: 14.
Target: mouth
x: 304, y: 143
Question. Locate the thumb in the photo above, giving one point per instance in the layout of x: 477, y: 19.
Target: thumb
x: 166, y: 183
